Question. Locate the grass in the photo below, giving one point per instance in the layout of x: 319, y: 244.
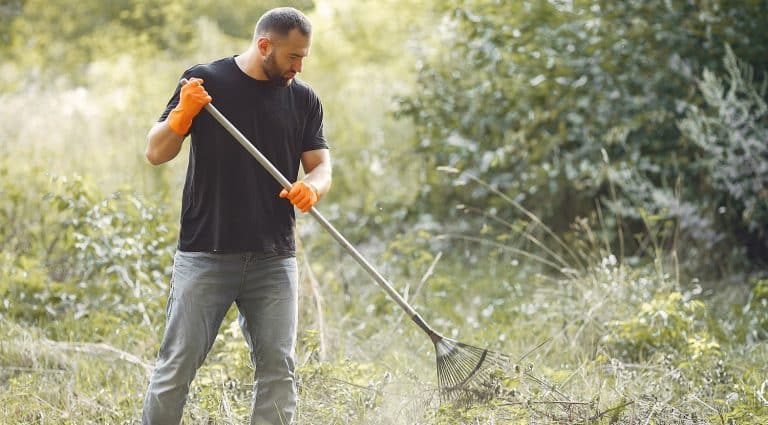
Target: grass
x: 605, y: 358
x: 596, y: 341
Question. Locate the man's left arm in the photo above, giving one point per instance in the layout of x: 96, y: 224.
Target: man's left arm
x: 316, y: 182
x: 317, y: 170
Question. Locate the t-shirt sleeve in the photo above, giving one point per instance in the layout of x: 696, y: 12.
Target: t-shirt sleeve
x: 313, y: 130
x: 174, y: 100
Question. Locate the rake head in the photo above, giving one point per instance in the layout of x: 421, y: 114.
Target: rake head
x: 466, y: 373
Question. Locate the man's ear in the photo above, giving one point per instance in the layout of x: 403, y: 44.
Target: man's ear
x: 264, y: 44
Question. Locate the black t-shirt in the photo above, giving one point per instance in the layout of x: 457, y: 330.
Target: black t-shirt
x: 230, y: 203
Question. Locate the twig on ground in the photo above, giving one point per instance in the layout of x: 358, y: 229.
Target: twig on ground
x: 605, y: 412
x: 557, y: 402
x: 32, y: 369
x: 101, y: 348
x: 545, y: 384
x: 532, y: 350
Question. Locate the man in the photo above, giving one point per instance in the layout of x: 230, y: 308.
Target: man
x: 236, y: 242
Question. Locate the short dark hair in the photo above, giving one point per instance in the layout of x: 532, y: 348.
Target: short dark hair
x: 282, y: 20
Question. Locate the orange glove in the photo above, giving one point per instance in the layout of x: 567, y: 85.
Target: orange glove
x: 192, y: 99
x: 303, y: 195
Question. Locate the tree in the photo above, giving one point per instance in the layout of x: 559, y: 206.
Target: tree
x: 533, y: 97
x: 54, y: 39
x: 731, y: 132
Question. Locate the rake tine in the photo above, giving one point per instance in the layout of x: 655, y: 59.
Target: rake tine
x: 477, y: 367
x: 465, y: 372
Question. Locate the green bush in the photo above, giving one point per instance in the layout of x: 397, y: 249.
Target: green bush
x: 667, y: 324
x: 82, y: 251
x: 535, y: 97
x: 25, y: 289
x: 730, y: 130
x: 749, y: 323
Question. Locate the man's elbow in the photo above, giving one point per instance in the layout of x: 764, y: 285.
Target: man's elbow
x: 152, y: 157
x: 159, y: 145
x: 156, y: 155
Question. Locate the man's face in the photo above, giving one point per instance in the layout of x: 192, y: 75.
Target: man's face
x: 285, y: 56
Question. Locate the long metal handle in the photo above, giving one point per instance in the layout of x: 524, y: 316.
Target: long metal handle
x: 385, y: 285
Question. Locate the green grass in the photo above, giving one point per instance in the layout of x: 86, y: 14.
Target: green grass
x: 606, y: 360
x: 83, y: 282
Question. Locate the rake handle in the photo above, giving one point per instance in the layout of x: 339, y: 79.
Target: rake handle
x: 286, y: 184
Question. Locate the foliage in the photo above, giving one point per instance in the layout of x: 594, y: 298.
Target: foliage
x: 237, y: 18
x: 731, y: 130
x: 628, y: 101
x: 678, y: 363
x: 670, y: 324
x: 82, y: 253
x: 749, y: 322
x: 534, y: 96
x: 56, y: 37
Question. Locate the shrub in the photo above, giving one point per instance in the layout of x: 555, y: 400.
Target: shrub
x: 731, y: 130
x: 669, y: 323
x: 83, y: 251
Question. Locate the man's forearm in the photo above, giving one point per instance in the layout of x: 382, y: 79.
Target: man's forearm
x: 163, y: 144
x: 320, y: 178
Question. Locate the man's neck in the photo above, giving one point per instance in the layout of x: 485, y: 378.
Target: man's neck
x: 249, y: 62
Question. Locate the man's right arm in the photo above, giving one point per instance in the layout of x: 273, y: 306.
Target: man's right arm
x: 163, y: 144
x: 164, y: 138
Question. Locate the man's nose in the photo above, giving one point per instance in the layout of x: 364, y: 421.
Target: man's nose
x: 297, y: 65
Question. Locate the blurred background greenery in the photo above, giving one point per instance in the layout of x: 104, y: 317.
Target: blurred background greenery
x: 591, y: 173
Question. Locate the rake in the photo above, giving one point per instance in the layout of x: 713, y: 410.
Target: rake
x: 463, y: 371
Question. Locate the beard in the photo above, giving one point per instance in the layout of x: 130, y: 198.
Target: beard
x: 274, y: 73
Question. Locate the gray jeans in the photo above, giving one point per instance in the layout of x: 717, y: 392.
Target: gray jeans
x: 203, y: 287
